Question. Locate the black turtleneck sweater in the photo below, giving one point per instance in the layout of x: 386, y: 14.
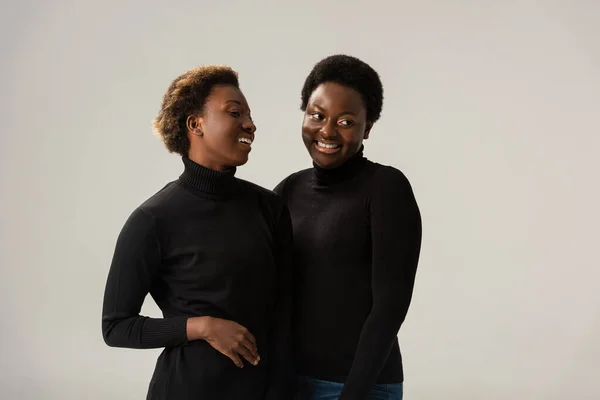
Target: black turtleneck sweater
x: 207, y: 244
x: 357, y: 239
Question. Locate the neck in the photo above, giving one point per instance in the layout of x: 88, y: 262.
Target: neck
x: 199, y: 157
x: 207, y: 180
x: 328, y: 176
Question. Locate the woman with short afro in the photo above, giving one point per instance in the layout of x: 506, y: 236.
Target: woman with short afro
x: 213, y: 252
x: 357, y: 239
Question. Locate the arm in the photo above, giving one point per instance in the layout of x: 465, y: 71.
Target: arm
x: 396, y: 245
x: 280, y: 189
x: 280, y: 374
x: 135, y: 262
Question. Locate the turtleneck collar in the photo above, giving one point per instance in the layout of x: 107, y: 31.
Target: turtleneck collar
x: 329, y: 176
x: 207, y: 180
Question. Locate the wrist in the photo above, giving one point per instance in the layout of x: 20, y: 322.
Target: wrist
x: 197, y: 328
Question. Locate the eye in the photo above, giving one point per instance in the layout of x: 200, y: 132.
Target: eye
x: 235, y: 114
x: 317, y: 116
x: 346, y: 123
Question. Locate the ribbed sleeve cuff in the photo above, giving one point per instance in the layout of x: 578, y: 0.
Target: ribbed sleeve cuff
x: 165, y: 332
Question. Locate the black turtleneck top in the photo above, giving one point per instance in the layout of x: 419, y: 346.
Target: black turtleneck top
x: 357, y: 239
x: 207, y: 244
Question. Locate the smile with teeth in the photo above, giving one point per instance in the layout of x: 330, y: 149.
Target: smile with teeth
x: 245, y: 140
x: 328, y: 146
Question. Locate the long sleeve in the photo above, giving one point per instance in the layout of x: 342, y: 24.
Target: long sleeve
x: 135, y: 263
x: 280, y: 188
x: 396, y: 244
x: 280, y: 374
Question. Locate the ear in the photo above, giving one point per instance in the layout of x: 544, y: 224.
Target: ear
x: 193, y: 124
x: 368, y: 130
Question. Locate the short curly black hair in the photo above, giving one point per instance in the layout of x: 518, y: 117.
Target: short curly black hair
x: 185, y: 96
x: 351, y: 72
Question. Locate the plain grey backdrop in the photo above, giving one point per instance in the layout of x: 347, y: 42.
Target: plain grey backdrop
x: 491, y: 109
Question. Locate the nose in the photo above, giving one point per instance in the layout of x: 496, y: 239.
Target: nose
x: 328, y: 130
x: 248, y: 125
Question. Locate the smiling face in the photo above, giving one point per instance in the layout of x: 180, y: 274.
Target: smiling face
x: 220, y: 138
x: 334, y: 124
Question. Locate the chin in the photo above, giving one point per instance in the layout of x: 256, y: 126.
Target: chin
x: 324, y: 161
x: 241, y: 161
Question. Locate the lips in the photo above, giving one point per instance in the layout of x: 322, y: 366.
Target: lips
x: 327, y: 148
x: 246, y: 140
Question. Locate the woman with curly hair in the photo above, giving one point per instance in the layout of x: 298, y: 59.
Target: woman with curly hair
x: 357, y: 239
x: 213, y: 252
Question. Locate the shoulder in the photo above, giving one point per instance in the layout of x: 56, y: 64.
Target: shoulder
x: 161, y: 206
x: 293, y: 180
x: 153, y: 206
x: 139, y: 226
x: 258, y: 190
x: 389, y: 183
x: 388, y: 175
x: 161, y: 201
x: 271, y: 203
x: 266, y: 197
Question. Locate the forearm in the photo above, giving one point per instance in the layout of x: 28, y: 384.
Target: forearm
x: 392, y: 298
x: 140, y: 332
x: 377, y: 339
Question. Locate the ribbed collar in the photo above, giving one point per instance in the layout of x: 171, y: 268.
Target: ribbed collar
x: 331, y: 176
x: 207, y: 180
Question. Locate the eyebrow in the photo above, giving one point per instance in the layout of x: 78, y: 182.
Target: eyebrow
x: 239, y: 103
x: 342, y: 113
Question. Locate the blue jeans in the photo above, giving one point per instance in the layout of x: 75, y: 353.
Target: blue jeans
x: 316, y: 389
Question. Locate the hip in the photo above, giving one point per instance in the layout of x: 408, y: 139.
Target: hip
x: 317, y: 389
x: 199, y: 371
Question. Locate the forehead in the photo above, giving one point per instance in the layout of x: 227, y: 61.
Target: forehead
x: 333, y: 96
x: 224, y: 93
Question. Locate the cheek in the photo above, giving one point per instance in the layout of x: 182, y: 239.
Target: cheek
x: 213, y: 128
x: 225, y: 129
x: 352, y: 135
x: 308, y: 129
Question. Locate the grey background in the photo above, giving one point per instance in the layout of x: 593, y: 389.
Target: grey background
x: 491, y: 109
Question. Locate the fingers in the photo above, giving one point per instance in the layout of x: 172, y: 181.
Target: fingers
x: 246, y: 348
x: 249, y: 336
x: 234, y: 341
x: 251, y: 347
x: 235, y: 358
x: 246, y: 353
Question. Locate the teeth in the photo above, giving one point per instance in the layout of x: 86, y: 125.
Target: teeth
x: 245, y: 140
x: 328, y: 146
